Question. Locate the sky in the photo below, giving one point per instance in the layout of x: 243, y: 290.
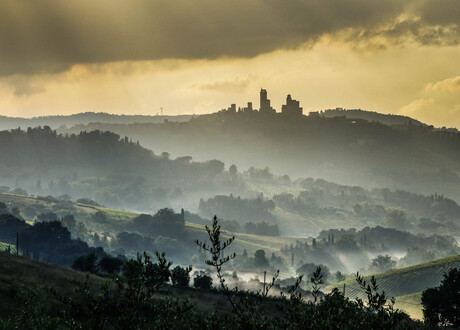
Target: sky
x: 199, y: 56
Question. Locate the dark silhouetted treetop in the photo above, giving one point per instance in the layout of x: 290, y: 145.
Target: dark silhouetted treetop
x: 441, y: 305
x: 9, y: 226
x: 180, y: 276
x: 165, y: 222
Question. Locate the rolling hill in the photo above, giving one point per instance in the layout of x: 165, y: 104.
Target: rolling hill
x: 405, y: 284
x: 409, y: 156
x: 116, y: 170
x: 84, y: 213
x: 387, y: 119
x: 17, y: 272
x: 84, y: 118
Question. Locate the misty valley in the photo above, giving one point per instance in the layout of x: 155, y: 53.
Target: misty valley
x: 260, y: 219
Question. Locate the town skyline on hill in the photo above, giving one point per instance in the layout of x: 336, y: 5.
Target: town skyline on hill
x: 398, y: 57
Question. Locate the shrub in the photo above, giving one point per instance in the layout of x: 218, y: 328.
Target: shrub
x: 110, y: 265
x: 181, y: 276
x: 86, y: 263
x: 87, y: 201
x: 441, y: 305
x: 382, y: 264
x: 202, y: 281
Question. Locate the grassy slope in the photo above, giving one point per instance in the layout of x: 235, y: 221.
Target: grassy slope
x: 5, y: 246
x: 303, y: 224
x: 17, y: 272
x: 411, y: 305
x: 406, y: 284
x: 243, y: 241
x: 407, y: 280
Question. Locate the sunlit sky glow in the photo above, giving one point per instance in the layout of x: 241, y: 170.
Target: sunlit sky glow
x: 136, y: 56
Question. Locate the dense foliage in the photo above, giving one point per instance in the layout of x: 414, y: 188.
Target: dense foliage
x: 441, y: 305
x: 110, y: 169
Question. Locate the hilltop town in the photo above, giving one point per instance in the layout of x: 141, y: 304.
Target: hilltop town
x: 291, y: 108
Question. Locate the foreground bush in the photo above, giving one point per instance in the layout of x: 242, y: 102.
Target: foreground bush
x: 441, y: 305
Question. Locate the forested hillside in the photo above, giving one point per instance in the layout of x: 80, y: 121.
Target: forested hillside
x: 352, y: 151
x: 100, y: 164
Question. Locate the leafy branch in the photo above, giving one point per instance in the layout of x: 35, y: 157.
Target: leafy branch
x: 247, y: 307
x: 375, y: 299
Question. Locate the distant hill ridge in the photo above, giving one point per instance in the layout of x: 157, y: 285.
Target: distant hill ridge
x: 85, y: 118
x: 349, y: 151
x: 387, y: 119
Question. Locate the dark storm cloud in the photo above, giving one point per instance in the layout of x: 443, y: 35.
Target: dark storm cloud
x: 51, y: 35
x: 440, y: 12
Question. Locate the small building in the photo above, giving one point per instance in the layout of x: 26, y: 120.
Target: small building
x: 292, y: 107
x: 247, y: 109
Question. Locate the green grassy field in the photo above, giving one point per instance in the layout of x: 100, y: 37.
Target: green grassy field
x: 113, y: 214
x: 407, y: 280
x: 411, y: 305
x: 406, y: 284
x: 243, y: 241
x: 83, y: 212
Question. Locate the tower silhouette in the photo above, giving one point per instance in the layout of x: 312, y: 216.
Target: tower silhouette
x: 265, y: 106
